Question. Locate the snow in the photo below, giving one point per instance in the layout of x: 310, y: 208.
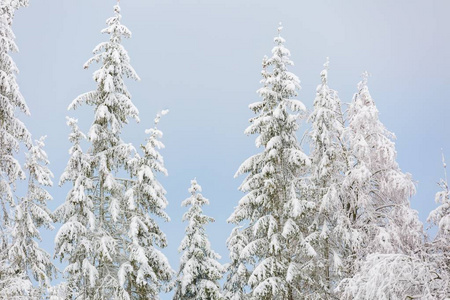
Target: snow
x: 199, y: 270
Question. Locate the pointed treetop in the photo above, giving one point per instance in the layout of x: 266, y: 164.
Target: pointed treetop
x: 279, y: 40
x: 324, y: 73
x: 117, y: 8
x: 196, y: 199
x: 363, y: 90
x: 365, y: 77
x: 195, y: 187
x: 444, y: 165
x: 279, y: 28
x: 115, y: 28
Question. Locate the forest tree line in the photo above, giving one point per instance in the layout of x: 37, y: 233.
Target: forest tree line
x: 334, y: 223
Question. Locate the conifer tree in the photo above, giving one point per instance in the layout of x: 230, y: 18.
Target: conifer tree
x: 237, y: 277
x: 199, y: 269
x: 271, y: 208
x: 75, y: 239
x: 107, y: 236
x: 330, y: 231
x: 31, y: 213
x: 147, y: 269
x: 13, y: 134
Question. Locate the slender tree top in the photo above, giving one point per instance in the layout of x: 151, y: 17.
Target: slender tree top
x: 196, y: 201
x: 199, y: 269
x: 441, y: 215
x: 111, y: 99
x: 324, y: 73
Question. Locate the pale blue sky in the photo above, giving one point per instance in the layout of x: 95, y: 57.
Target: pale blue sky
x: 202, y: 60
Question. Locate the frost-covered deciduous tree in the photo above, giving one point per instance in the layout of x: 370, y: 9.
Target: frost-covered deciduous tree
x: 330, y: 231
x: 396, y: 276
x: 31, y: 213
x: 441, y: 215
x: 107, y: 235
x: 439, y: 248
x: 377, y: 190
x: 199, y: 271
x: 377, y: 194
x: 271, y: 208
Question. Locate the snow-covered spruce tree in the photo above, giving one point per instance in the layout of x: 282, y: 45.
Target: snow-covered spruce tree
x: 12, y: 131
x: 237, y: 273
x: 13, y: 134
x: 376, y: 190
x: 271, y: 209
x: 31, y: 213
x: 147, y: 268
x: 199, y: 269
x: 330, y: 232
x: 106, y: 235
x: 76, y: 237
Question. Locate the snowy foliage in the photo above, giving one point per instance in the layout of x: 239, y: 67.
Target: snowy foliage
x: 58, y: 292
x: 13, y: 132
x: 9, y: 7
x: 237, y: 277
x: 330, y: 232
x: 376, y: 190
x: 441, y: 215
x: 16, y: 269
x: 147, y: 268
x: 107, y: 235
x: 31, y: 213
x: 199, y: 269
x: 335, y: 224
x: 395, y: 276
x: 377, y: 195
x: 75, y: 239
x: 271, y: 205
x: 439, y: 249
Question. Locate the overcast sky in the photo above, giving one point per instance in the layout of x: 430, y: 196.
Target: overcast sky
x: 202, y: 61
